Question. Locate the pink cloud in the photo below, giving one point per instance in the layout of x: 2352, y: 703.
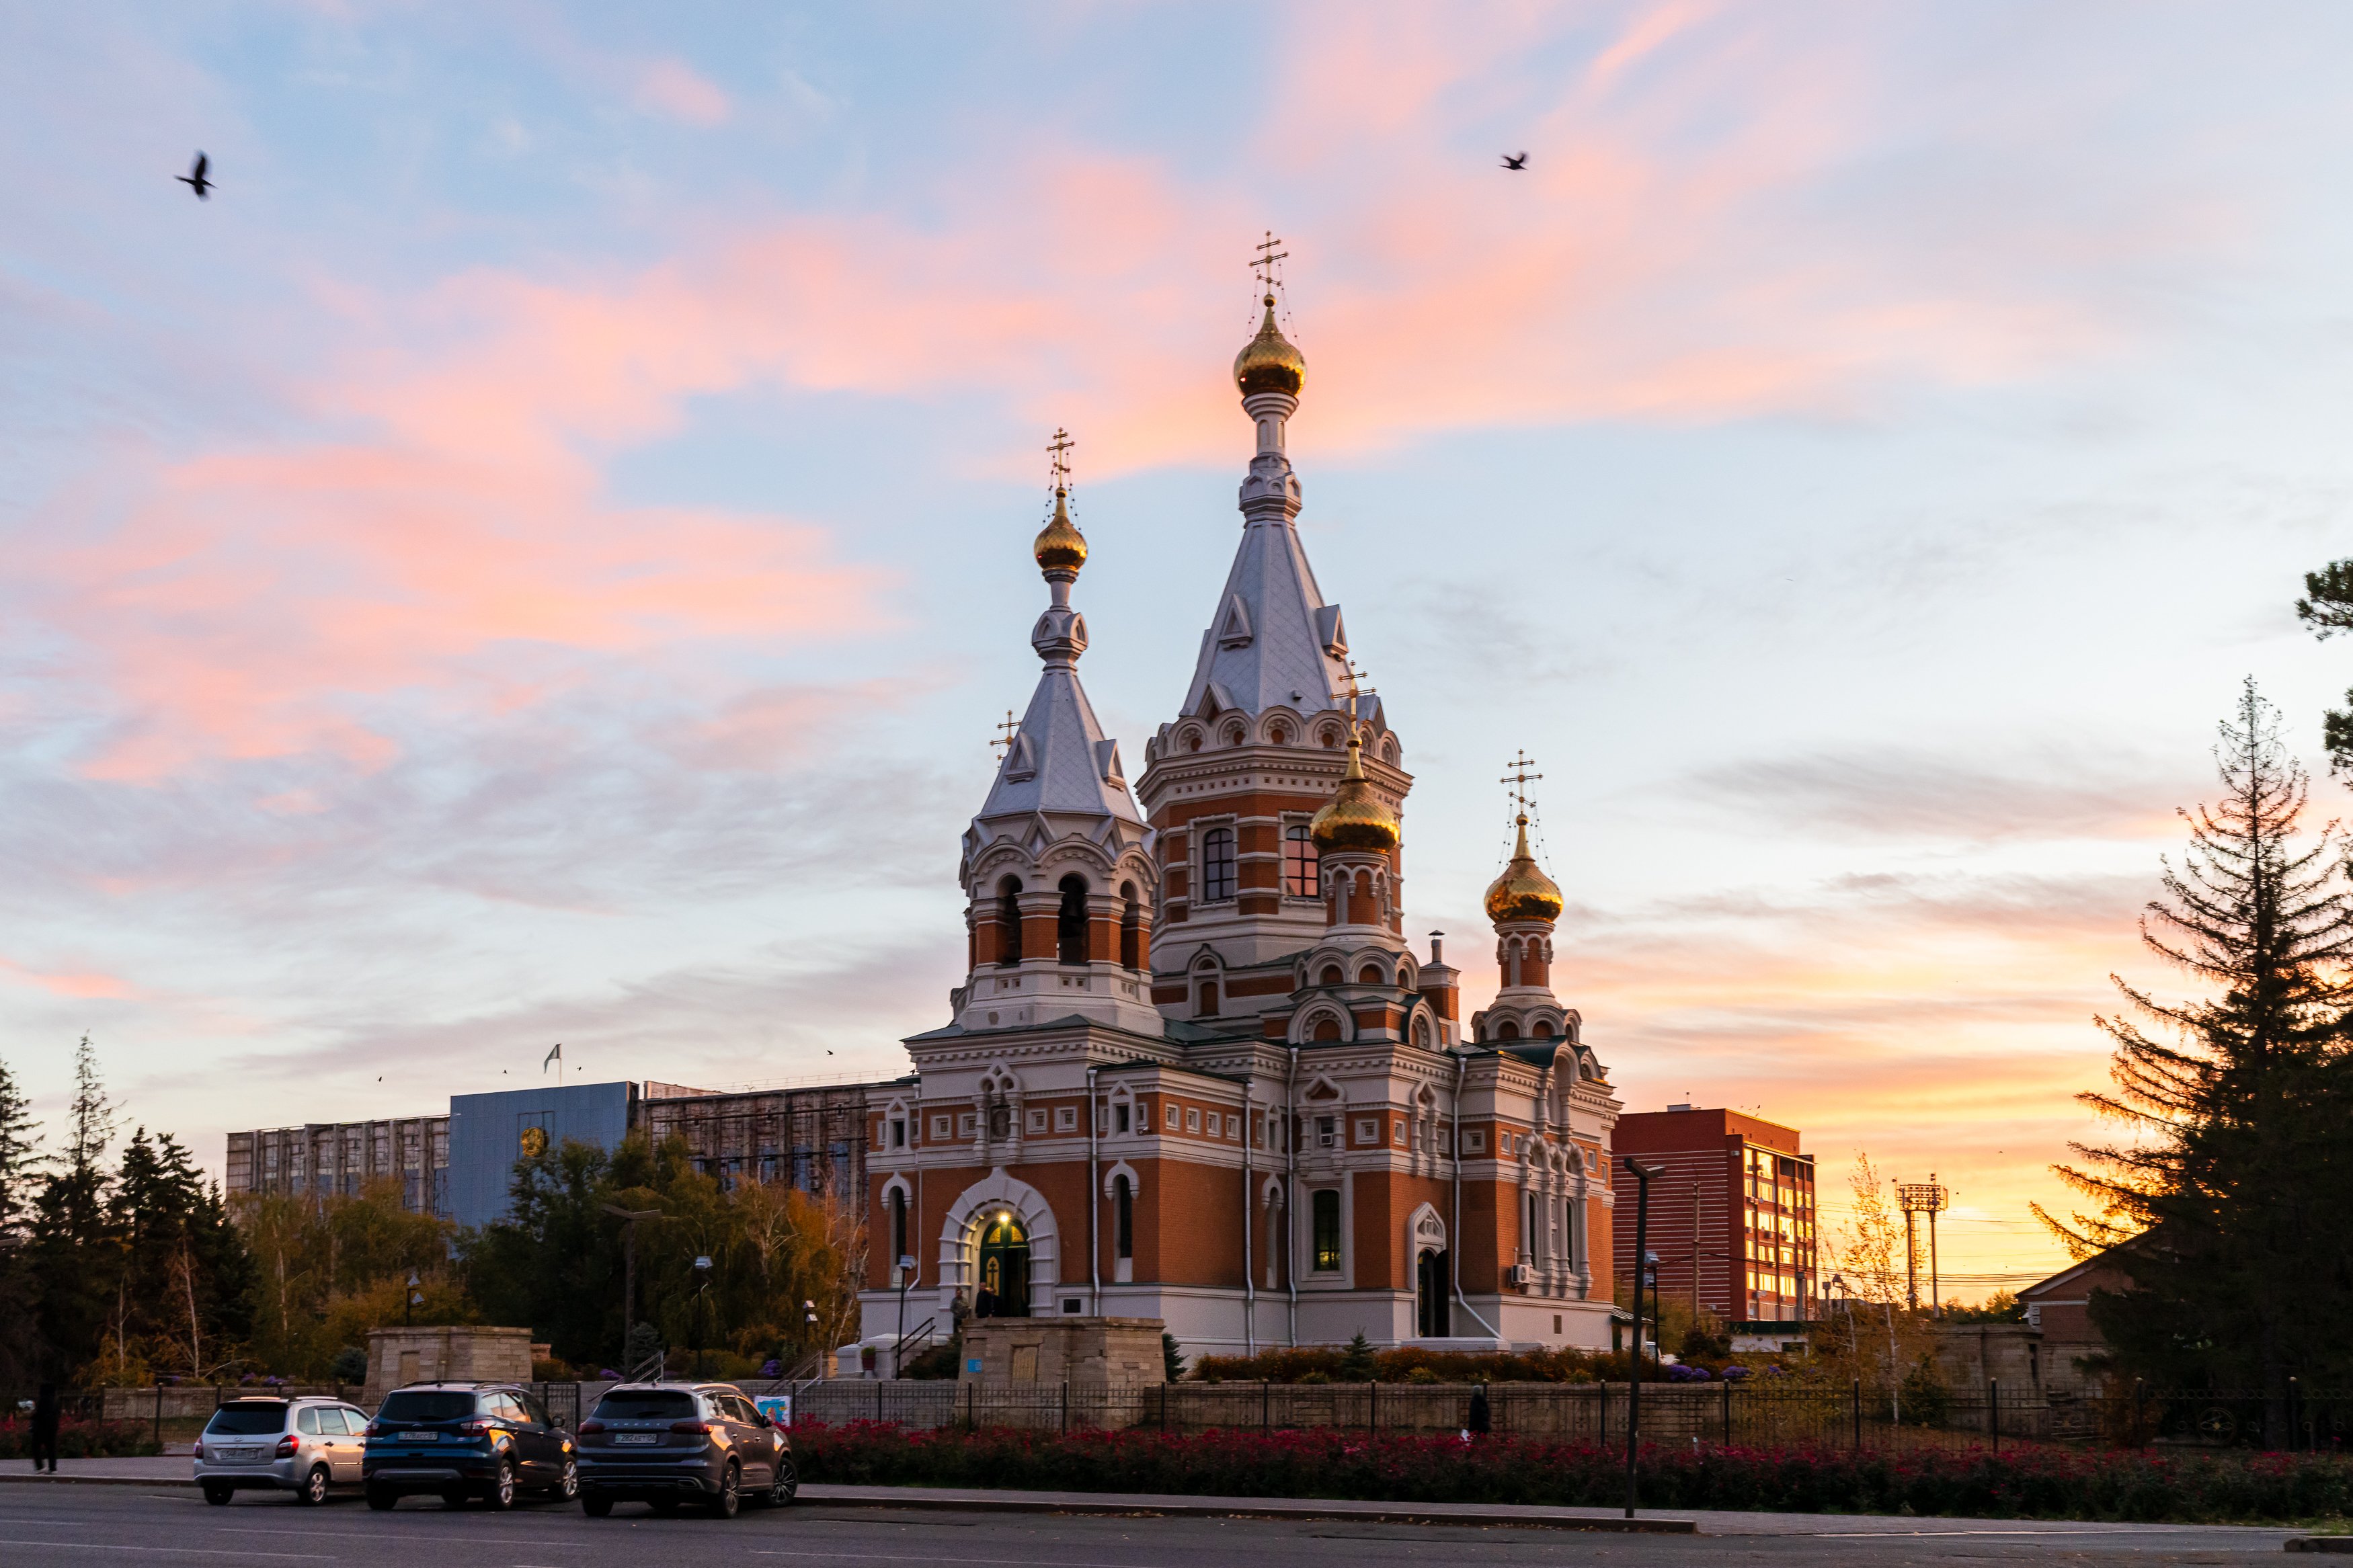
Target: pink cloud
x: 673, y: 87
x: 87, y: 985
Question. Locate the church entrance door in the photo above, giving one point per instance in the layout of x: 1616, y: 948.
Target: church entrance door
x: 1003, y: 1278
x: 1434, y: 1320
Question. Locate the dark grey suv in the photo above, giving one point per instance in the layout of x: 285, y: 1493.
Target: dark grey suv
x: 490, y: 1440
x: 669, y: 1443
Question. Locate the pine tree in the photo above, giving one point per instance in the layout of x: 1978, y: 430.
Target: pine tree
x: 2327, y: 607
x: 2234, y: 1184
x: 20, y: 1159
x: 73, y: 1252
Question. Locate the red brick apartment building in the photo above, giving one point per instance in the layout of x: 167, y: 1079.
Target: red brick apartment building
x: 1732, y: 1211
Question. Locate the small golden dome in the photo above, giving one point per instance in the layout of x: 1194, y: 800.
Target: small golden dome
x: 1523, y: 892
x: 1355, y: 818
x: 1059, y: 544
x: 1268, y: 363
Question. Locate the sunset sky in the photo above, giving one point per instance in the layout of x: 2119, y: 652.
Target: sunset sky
x: 538, y: 556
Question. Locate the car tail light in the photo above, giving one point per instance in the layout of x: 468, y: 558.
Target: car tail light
x: 375, y: 1430
x: 288, y: 1444
x: 698, y: 1427
x: 199, y: 1450
x: 591, y: 1425
x: 475, y: 1429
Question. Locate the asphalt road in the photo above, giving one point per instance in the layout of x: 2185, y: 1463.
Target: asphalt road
x: 81, y: 1526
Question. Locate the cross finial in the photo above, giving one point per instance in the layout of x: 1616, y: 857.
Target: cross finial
x: 1356, y: 689
x: 1059, y: 449
x: 1002, y: 741
x: 1263, y: 267
x: 1519, y: 778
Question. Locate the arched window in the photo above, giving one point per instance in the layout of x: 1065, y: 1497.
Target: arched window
x: 898, y: 1225
x: 1131, y: 927
x: 1326, y: 1028
x: 1280, y: 734
x: 1369, y: 975
x: 1421, y: 1033
x: 1326, y: 1203
x: 1122, y: 1220
x: 1218, y: 865
x: 1331, y: 975
x: 1510, y: 1031
x: 1528, y: 1243
x: 1070, y: 922
x: 1008, y: 921
x: 1299, y: 862
x: 1233, y: 734
x: 1208, y: 1002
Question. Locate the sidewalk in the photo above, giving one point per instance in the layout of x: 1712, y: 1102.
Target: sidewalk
x: 176, y: 1470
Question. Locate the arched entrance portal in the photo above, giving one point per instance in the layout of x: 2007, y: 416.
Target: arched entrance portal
x: 1002, y: 1285
x: 1433, y: 1320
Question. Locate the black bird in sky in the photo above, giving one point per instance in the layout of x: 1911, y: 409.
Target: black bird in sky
x: 1515, y: 159
x: 196, y: 181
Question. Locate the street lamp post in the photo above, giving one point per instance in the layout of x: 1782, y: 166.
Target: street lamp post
x: 1641, y: 1175
x: 630, y: 1218
x: 702, y: 1294
x: 906, y: 1273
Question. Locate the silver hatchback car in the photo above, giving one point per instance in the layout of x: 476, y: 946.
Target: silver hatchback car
x: 307, y: 1447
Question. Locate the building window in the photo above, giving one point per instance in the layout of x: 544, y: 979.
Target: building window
x: 1170, y: 1119
x: 1328, y: 1132
x: 1326, y: 1203
x: 1367, y: 1131
x: 1209, y: 1003
x: 1122, y: 1223
x: 940, y: 1126
x: 1066, y: 1118
x: 898, y: 1225
x: 1070, y: 923
x: 1008, y: 921
x: 1131, y: 927
x: 1218, y: 865
x: 1192, y: 1118
x: 1474, y: 1142
x: 1299, y: 862
x: 1535, y: 1209
x: 898, y: 1132
x: 1119, y: 1118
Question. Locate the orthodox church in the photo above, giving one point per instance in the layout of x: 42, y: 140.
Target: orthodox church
x: 1196, y: 1072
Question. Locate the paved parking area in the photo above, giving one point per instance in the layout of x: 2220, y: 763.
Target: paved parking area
x: 45, y: 1525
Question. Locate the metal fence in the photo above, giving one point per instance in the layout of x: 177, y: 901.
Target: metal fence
x: 1768, y: 1414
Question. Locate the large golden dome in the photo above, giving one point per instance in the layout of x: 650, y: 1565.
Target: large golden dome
x: 1522, y: 892
x: 1059, y: 544
x: 1268, y: 363
x: 1355, y: 818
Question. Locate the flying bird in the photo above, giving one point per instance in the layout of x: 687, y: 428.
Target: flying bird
x: 195, y: 180
x: 1515, y: 159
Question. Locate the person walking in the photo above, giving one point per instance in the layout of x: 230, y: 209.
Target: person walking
x: 44, y: 1428
x: 1479, y: 1422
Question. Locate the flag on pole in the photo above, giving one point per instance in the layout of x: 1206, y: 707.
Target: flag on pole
x: 555, y: 1055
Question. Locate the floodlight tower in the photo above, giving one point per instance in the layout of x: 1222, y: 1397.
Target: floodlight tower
x: 1922, y: 1198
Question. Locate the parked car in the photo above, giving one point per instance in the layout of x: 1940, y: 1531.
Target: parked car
x: 307, y: 1447
x: 490, y: 1440
x: 672, y: 1443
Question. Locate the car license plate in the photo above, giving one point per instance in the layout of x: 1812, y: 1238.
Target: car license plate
x: 637, y: 1438
x: 420, y: 1436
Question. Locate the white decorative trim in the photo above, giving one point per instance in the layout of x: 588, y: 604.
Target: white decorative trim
x: 1135, y: 1182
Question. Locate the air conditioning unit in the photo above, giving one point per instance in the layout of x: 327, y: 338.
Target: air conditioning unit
x: 1523, y: 1275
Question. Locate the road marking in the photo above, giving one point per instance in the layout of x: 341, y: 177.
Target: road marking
x: 936, y: 1557
x: 176, y: 1551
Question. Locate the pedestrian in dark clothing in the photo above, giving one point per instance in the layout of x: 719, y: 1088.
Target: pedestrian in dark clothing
x: 1481, y: 1421
x: 44, y: 1428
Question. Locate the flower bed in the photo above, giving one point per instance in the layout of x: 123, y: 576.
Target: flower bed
x: 2041, y: 1483
x: 80, y: 1439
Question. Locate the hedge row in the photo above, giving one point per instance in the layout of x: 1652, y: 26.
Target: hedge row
x: 79, y: 1439
x: 2023, y: 1483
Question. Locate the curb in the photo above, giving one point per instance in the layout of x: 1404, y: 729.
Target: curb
x: 2336, y: 1543
x: 1269, y: 1508
x: 1153, y: 1507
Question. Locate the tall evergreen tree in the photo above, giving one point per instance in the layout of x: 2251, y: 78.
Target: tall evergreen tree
x: 2234, y: 1184
x: 2328, y: 608
x: 72, y: 1251
x: 20, y: 1164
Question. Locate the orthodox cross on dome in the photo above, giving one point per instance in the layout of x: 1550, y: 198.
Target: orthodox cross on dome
x: 1519, y: 778
x: 1059, y: 449
x: 1356, y: 689
x: 1262, y: 265
x: 1002, y: 741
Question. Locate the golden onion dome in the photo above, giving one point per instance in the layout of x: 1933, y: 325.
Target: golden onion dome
x: 1059, y: 544
x: 1268, y: 363
x: 1523, y: 892
x: 1355, y: 818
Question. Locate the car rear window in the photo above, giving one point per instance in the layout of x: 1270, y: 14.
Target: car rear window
x: 249, y: 1420
x: 646, y: 1404
x: 425, y: 1404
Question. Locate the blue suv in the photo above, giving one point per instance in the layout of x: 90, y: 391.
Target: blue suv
x: 490, y: 1440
